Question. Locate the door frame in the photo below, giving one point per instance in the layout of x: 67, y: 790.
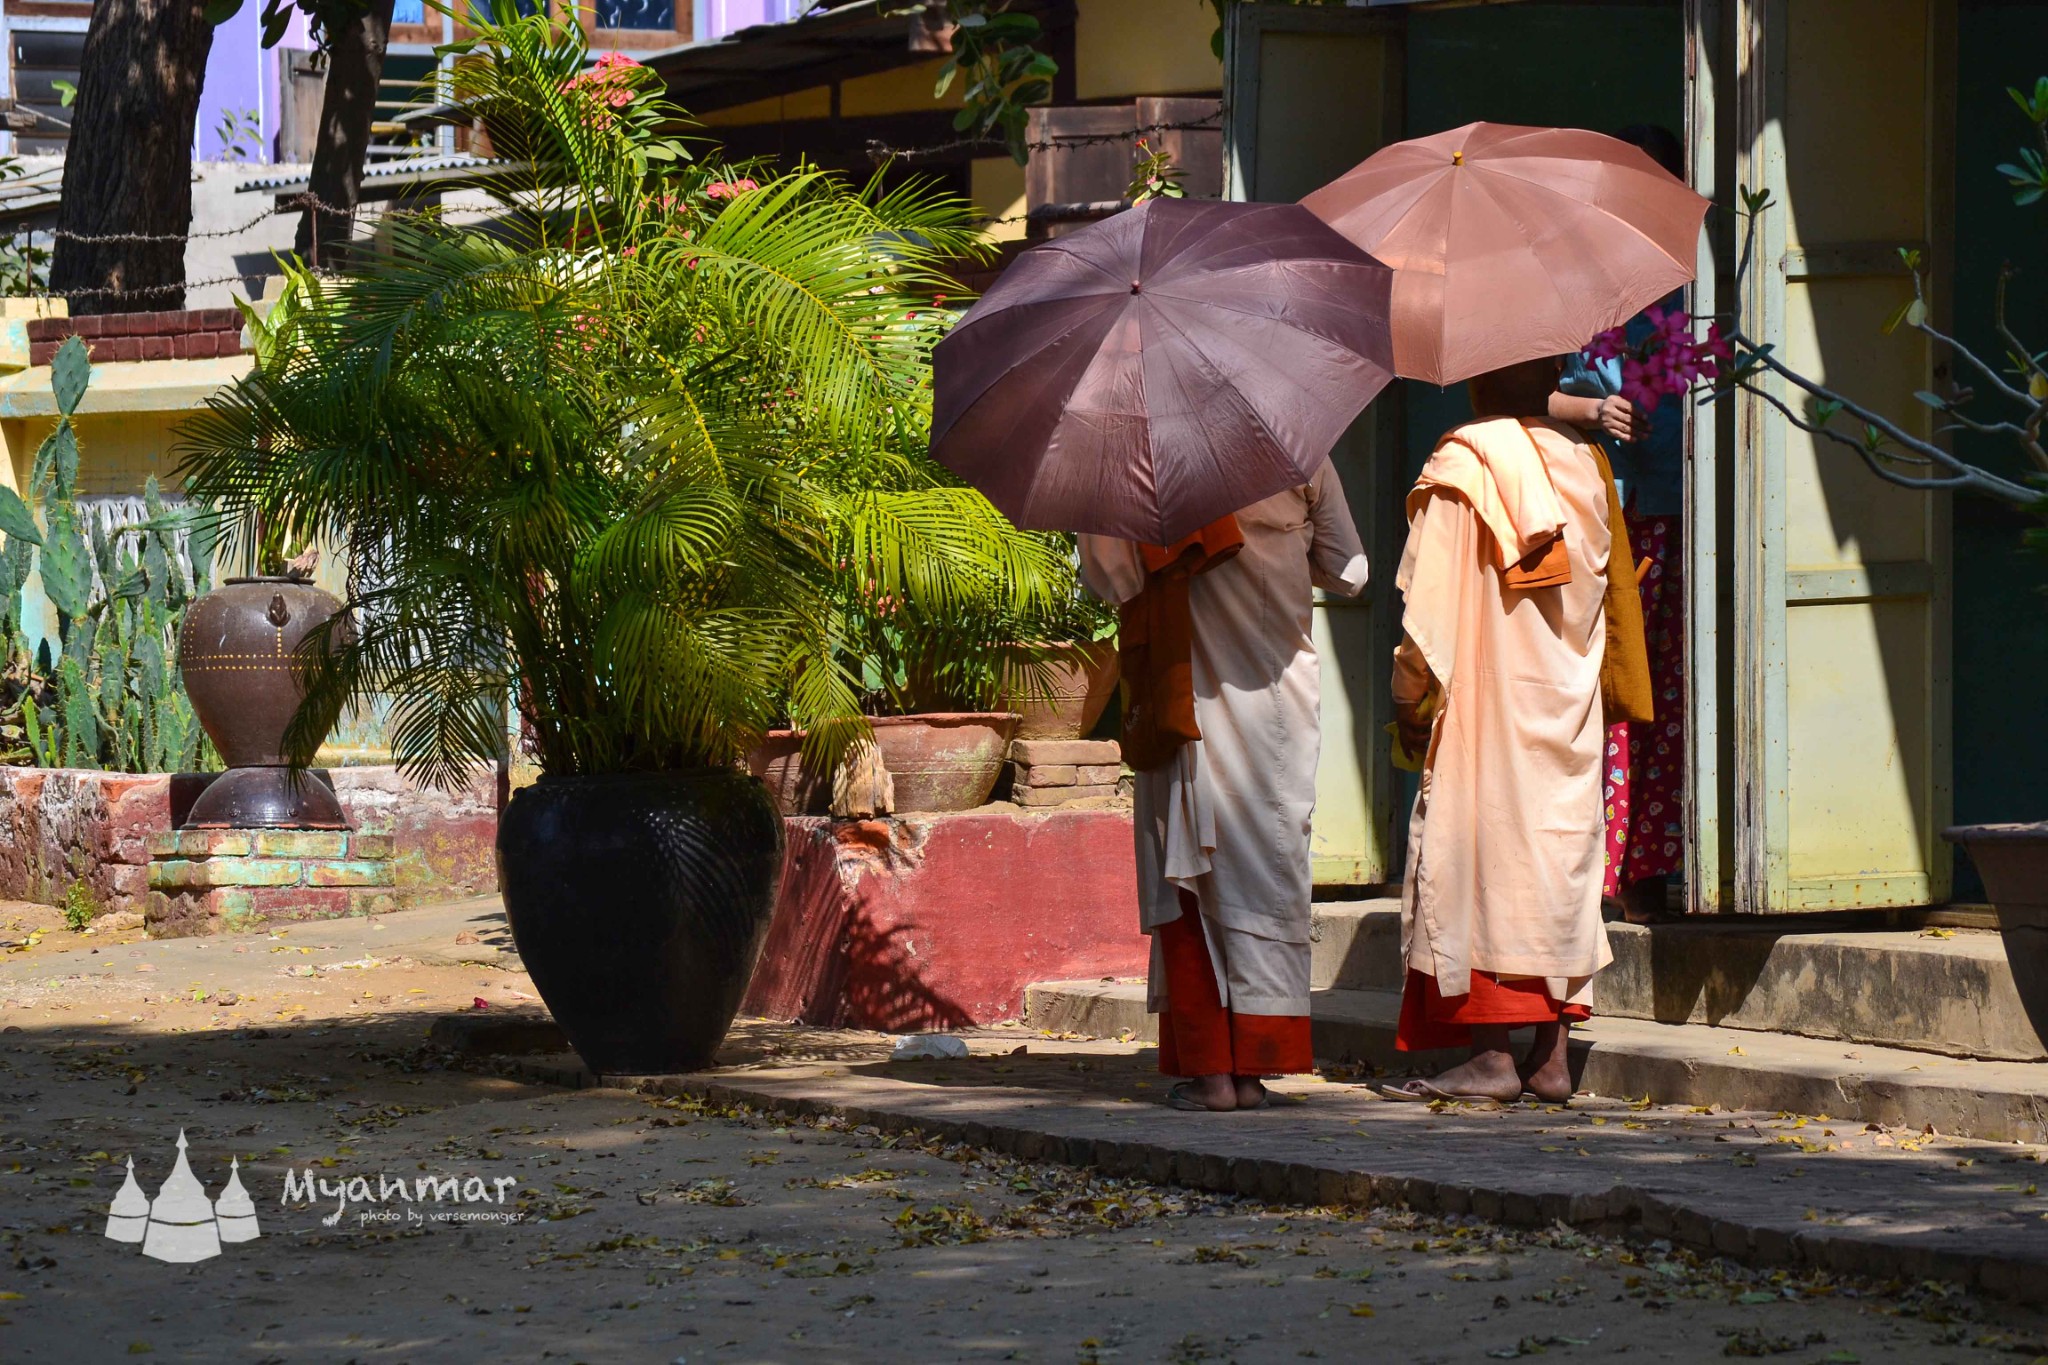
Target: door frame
x: 1764, y: 588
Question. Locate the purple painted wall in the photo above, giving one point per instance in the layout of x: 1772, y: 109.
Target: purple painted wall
x: 242, y: 76
x: 720, y: 17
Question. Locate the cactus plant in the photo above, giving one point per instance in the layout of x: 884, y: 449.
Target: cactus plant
x: 108, y: 696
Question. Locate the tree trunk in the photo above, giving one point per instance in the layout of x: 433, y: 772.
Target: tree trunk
x: 355, y: 65
x: 129, y: 166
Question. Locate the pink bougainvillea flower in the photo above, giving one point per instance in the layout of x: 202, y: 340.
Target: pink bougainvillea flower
x: 619, y: 99
x: 1609, y: 345
x: 718, y: 189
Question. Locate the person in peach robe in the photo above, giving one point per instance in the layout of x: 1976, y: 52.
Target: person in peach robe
x: 1497, y: 685
x: 1222, y: 827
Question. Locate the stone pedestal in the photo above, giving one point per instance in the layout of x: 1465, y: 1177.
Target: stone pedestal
x: 1052, y: 772
x: 221, y: 880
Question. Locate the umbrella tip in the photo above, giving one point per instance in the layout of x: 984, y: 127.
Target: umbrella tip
x: 1135, y: 287
x: 1458, y: 158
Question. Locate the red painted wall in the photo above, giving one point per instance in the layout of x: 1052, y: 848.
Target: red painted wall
x: 940, y: 921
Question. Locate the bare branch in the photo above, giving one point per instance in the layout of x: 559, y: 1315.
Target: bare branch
x: 1963, y: 479
x: 2019, y: 349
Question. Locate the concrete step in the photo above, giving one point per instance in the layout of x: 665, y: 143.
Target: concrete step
x: 1680, y: 1064
x: 1953, y: 992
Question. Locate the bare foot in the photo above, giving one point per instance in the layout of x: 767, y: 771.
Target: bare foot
x: 1546, y: 1070
x: 1491, y: 1073
x: 1251, y: 1091
x: 1217, y: 1093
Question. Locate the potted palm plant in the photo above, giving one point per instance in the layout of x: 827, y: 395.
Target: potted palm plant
x: 598, y: 458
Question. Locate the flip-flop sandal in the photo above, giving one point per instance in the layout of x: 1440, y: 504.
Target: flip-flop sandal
x: 1421, y: 1091
x: 1178, y: 1098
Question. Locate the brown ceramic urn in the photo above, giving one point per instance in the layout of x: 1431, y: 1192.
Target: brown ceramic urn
x: 237, y: 653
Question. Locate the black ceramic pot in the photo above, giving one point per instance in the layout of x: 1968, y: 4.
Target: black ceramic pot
x: 639, y: 903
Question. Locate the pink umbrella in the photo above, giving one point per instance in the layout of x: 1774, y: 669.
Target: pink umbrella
x: 1153, y: 372
x: 1512, y: 243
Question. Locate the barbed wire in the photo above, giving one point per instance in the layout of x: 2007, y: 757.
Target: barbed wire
x: 150, y: 290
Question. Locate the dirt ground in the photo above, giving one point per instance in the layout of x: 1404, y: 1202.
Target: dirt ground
x: 615, y: 1227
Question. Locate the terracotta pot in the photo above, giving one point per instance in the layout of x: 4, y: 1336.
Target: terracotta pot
x: 798, y: 789
x: 946, y: 760
x: 2013, y: 860
x: 1082, y: 679
x: 237, y: 654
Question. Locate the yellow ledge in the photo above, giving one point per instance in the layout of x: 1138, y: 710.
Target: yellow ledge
x: 127, y: 386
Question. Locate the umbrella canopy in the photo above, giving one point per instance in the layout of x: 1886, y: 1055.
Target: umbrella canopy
x: 1512, y: 243
x: 1163, y: 368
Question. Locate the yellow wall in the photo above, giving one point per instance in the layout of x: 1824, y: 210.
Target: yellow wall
x: 1125, y: 48
x: 997, y: 188
x: 804, y: 104
x: 906, y: 90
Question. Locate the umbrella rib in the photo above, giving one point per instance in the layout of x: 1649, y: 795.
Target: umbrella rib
x: 1504, y: 172
x: 1543, y: 266
x: 997, y: 380
x: 1223, y: 383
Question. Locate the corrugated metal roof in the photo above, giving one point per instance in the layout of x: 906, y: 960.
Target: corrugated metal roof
x: 383, y: 180
x: 825, y: 45
x: 37, y: 190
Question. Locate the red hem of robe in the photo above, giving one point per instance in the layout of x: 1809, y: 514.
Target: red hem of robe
x: 1431, y: 1020
x: 1197, y: 1035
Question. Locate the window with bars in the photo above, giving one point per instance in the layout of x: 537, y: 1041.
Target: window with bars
x: 636, y: 14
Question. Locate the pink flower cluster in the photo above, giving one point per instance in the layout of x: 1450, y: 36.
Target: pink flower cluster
x: 730, y: 189
x: 1668, y: 362
x: 607, y: 82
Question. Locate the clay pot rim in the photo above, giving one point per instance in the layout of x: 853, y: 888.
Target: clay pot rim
x: 664, y: 775
x: 947, y: 718
x: 2009, y: 833
x: 271, y: 578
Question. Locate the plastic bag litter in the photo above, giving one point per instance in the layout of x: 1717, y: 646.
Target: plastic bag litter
x: 937, y: 1046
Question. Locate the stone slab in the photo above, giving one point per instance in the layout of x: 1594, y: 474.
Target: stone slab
x: 1947, y: 991
x: 1760, y: 1188
x: 1032, y: 752
x: 1685, y: 1064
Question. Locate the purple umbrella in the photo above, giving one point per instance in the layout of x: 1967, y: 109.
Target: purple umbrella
x: 1148, y: 374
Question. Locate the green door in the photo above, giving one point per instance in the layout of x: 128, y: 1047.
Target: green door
x: 1309, y: 94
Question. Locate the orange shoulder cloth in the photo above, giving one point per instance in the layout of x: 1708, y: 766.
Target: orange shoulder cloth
x: 1155, y: 638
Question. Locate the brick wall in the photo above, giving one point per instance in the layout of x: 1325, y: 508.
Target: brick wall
x: 186, y: 334
x: 60, y: 825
